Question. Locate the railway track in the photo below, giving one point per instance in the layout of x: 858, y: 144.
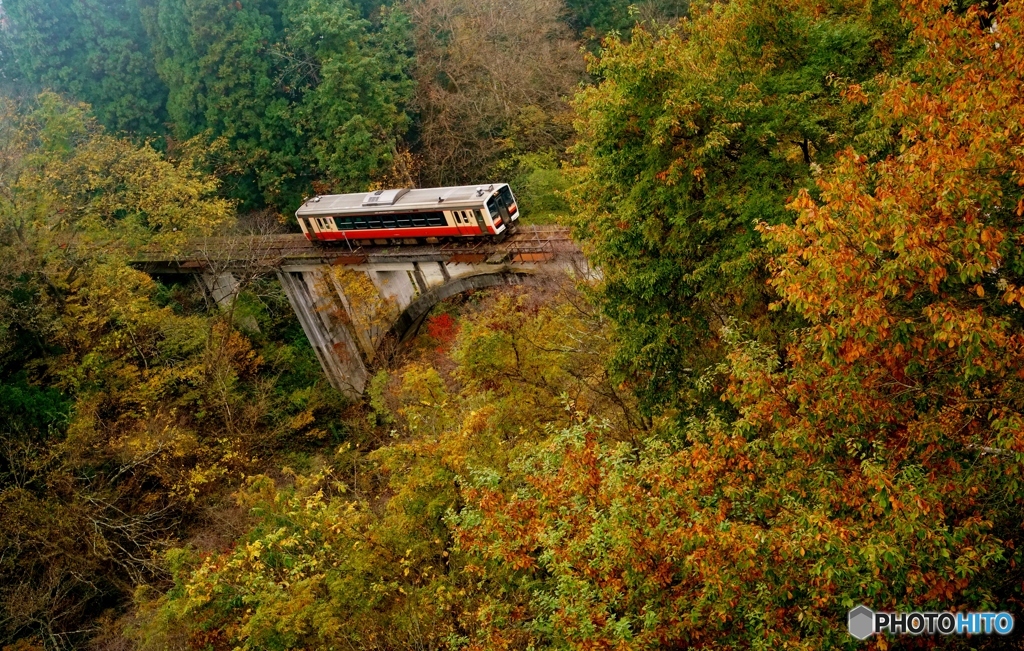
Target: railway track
x: 530, y: 243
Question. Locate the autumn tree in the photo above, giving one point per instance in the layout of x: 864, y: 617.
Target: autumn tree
x: 694, y: 135
x: 875, y: 460
x: 121, y: 415
x: 360, y: 552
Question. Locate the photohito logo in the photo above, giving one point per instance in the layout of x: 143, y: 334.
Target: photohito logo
x: 864, y: 622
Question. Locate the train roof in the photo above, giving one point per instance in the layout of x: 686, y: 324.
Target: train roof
x: 398, y: 200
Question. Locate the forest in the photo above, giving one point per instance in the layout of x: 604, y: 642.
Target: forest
x: 797, y: 385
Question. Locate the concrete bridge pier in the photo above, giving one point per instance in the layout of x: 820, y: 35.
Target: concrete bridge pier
x: 223, y: 288
x: 325, y: 320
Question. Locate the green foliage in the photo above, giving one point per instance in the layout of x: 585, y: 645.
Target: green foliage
x: 692, y: 137
x: 356, y: 115
x: 31, y: 409
x: 600, y: 17
x: 539, y: 184
x: 300, y: 90
x: 95, y: 51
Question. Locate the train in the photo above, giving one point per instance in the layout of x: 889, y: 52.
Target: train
x: 406, y: 215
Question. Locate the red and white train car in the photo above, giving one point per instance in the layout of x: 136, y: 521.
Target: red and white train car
x: 403, y: 214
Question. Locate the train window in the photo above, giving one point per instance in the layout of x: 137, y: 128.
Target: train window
x: 388, y: 220
x: 492, y: 207
x: 503, y: 202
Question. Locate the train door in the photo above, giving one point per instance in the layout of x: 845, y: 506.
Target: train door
x: 314, y: 227
x: 480, y: 220
x: 322, y: 226
x: 464, y: 220
x: 327, y: 225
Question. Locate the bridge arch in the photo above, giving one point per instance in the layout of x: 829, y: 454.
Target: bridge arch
x: 409, y: 320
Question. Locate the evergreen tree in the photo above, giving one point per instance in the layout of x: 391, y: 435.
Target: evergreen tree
x: 354, y: 116
x: 299, y: 90
x: 595, y: 17
x: 95, y: 51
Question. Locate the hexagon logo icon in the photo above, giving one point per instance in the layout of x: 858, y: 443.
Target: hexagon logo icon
x: 861, y: 622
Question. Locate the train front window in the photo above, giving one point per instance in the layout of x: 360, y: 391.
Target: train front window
x: 506, y: 199
x: 492, y: 207
x: 502, y: 208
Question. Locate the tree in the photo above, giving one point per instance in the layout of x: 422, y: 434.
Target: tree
x: 360, y: 553
x: 301, y: 90
x: 355, y: 115
x: 599, y: 17
x: 95, y: 51
x: 492, y: 79
x: 693, y: 136
x: 876, y: 460
x: 120, y: 416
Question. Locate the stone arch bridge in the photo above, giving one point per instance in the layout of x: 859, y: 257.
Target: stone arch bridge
x: 351, y: 299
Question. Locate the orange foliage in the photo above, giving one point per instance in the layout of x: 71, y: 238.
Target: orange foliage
x: 878, y: 460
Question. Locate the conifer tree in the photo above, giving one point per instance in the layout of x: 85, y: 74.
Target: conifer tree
x: 298, y: 90
x: 95, y: 51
